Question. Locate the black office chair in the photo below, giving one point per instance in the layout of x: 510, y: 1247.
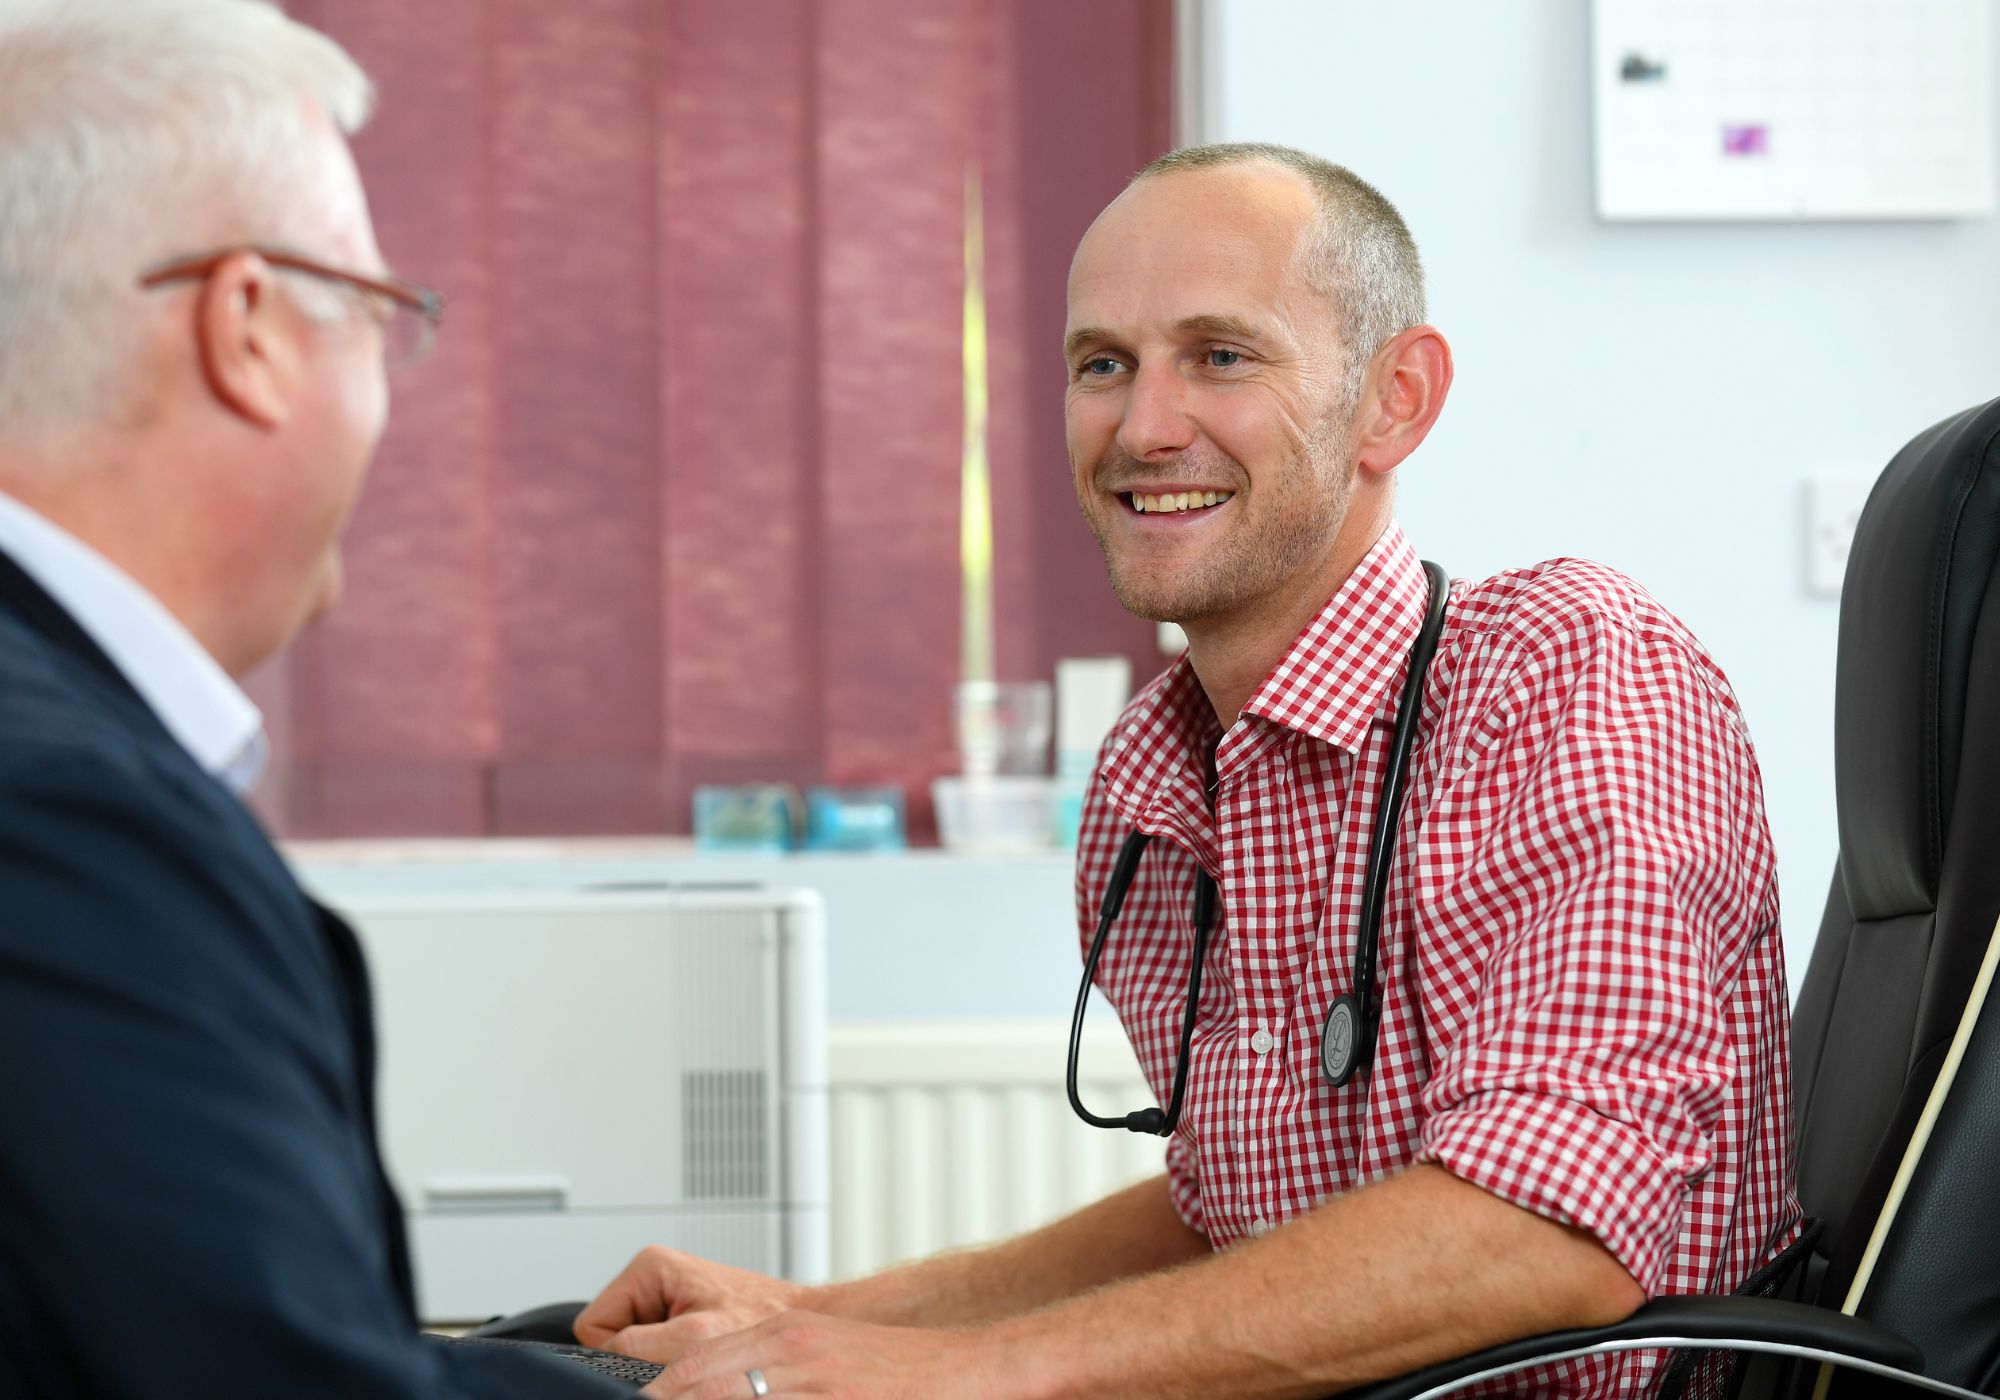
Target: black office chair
x: 1896, y: 1067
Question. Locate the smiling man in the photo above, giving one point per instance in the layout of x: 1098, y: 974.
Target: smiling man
x: 1568, y: 1090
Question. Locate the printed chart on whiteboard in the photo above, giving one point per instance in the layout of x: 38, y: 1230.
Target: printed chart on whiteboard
x: 1793, y: 109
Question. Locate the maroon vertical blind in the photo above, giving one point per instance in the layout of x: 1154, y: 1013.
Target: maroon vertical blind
x: 676, y: 501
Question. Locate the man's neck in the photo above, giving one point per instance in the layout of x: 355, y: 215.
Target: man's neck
x: 1232, y: 655
x: 1232, y: 658
x: 107, y: 510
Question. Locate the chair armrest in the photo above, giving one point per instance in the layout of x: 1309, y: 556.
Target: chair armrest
x: 1722, y: 1321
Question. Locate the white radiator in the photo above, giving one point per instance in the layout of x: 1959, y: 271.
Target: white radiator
x: 958, y: 1132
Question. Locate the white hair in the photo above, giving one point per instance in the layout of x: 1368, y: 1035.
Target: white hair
x: 131, y: 132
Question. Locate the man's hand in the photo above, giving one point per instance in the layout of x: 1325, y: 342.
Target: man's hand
x: 1370, y: 1284
x: 809, y: 1354
x: 666, y: 1301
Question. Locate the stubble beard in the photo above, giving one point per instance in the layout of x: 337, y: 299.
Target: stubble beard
x: 1257, y: 557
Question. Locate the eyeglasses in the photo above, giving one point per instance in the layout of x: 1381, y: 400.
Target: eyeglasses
x: 408, y: 314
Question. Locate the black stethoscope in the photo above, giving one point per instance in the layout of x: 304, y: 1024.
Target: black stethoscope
x: 1347, y: 1037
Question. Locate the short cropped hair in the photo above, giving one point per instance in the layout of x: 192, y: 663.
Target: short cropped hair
x: 1361, y: 255
x: 132, y: 131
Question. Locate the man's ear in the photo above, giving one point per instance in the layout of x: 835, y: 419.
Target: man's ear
x: 249, y: 339
x: 1401, y: 397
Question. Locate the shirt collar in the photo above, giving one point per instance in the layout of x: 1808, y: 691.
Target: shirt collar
x: 1155, y: 769
x: 1343, y: 670
x: 194, y: 698
x: 1338, y: 677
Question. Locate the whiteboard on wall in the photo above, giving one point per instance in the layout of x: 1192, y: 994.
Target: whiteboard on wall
x: 1793, y: 109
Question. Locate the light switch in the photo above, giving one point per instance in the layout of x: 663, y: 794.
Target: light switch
x: 1834, y: 500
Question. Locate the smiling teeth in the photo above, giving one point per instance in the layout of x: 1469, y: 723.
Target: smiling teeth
x: 1179, y: 500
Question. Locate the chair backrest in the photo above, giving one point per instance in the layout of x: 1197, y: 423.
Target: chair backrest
x: 1913, y: 907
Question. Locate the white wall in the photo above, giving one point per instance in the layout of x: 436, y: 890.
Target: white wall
x: 1652, y: 396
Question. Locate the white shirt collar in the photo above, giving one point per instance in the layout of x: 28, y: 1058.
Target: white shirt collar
x: 193, y: 696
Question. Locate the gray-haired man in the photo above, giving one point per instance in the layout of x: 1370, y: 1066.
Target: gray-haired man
x: 194, y: 328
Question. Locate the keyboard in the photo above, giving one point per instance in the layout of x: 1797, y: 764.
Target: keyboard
x: 608, y: 1363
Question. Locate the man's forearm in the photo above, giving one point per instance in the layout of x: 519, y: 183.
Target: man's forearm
x: 1409, y: 1271
x: 1133, y: 1232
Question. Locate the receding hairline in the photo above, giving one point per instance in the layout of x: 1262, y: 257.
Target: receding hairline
x: 1328, y: 181
x: 1156, y: 174
x: 1248, y: 164
x: 1311, y: 214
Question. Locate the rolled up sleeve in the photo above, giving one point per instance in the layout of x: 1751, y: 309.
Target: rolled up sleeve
x: 1574, y: 976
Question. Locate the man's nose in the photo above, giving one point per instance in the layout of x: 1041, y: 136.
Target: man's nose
x: 1157, y: 417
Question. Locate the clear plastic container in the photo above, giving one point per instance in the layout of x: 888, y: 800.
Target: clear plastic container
x: 995, y: 814
x: 1003, y: 726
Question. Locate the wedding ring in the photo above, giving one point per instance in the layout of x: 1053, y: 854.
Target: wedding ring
x: 758, y: 1385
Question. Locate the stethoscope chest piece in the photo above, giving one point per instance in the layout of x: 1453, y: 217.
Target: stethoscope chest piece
x: 1340, y: 1041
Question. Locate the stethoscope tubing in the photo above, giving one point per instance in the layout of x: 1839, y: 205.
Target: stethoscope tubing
x: 1382, y: 842
x: 1341, y: 1057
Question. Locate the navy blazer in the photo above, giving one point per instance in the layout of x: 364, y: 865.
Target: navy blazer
x: 191, y: 1198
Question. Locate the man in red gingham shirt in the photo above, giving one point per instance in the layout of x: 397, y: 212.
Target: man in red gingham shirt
x: 1578, y: 1096
x: 1583, y: 997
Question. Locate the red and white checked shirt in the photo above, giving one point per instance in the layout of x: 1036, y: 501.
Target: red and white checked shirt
x: 1583, y: 995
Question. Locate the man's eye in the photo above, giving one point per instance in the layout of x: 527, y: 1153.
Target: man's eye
x: 1100, y: 366
x: 1224, y: 359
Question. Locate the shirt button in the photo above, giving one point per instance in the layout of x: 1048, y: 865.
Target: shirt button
x: 1260, y: 1227
x: 1261, y: 1042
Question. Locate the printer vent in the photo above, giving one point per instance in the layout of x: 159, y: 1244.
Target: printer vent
x: 726, y: 1135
